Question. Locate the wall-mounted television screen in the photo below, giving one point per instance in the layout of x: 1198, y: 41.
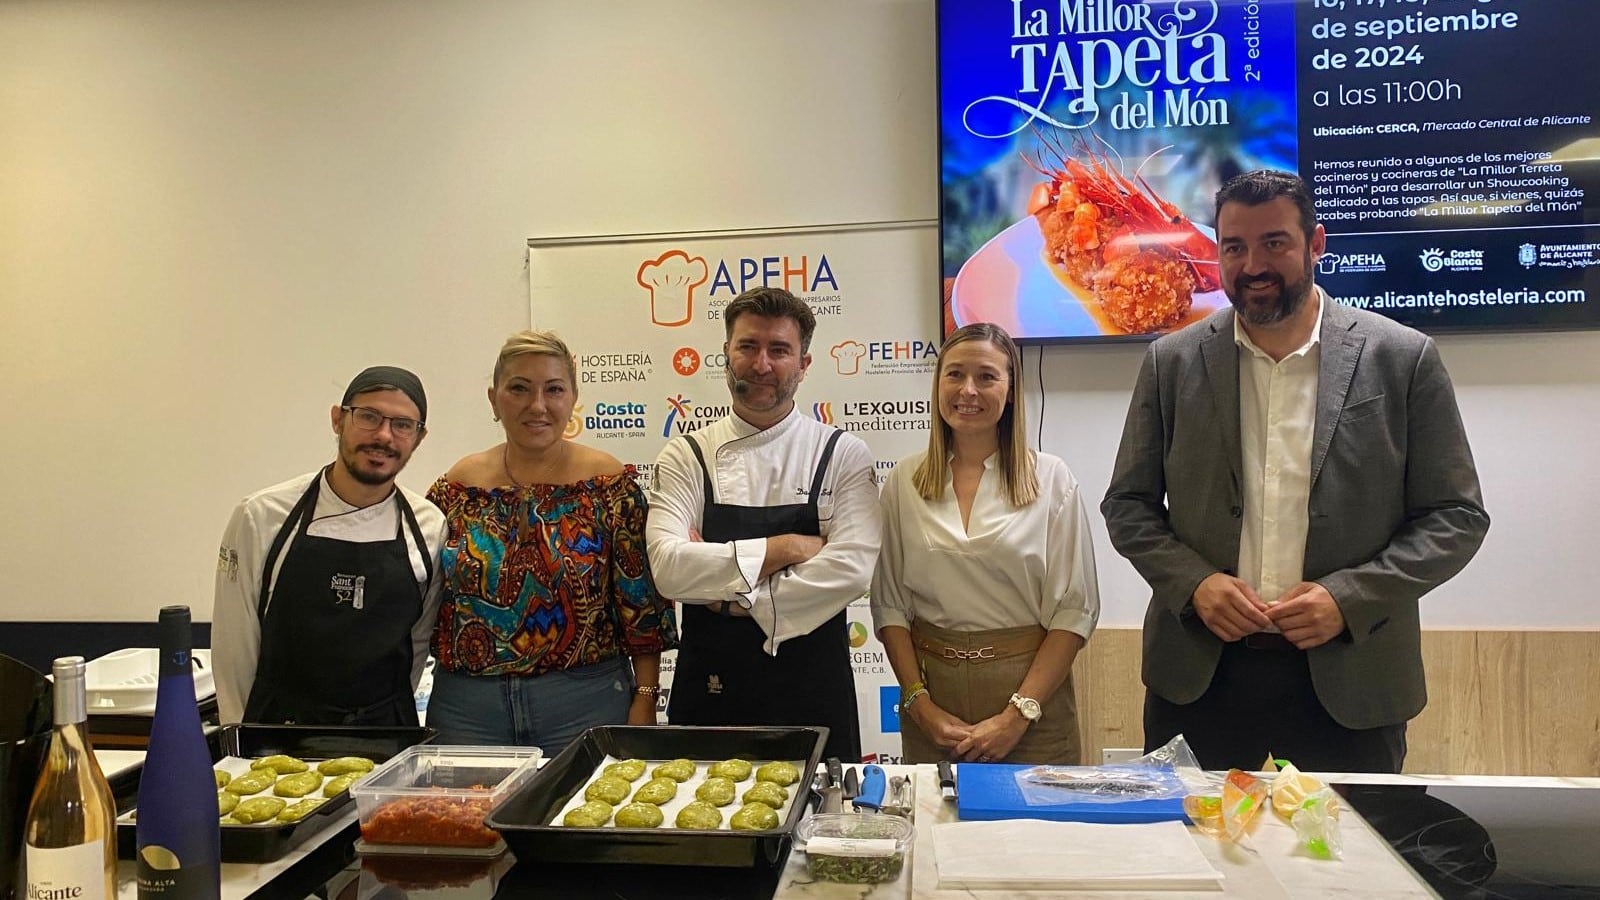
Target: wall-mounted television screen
x: 1451, y: 147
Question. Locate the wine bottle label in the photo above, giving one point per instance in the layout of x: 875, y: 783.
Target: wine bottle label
x: 67, y: 873
x: 162, y: 876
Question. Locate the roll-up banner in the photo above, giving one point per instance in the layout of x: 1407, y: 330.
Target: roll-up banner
x: 643, y: 315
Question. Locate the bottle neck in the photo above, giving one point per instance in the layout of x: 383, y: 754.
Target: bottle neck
x: 70, y: 705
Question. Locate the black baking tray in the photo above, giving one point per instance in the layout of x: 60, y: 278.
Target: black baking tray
x: 252, y: 844
x: 523, y: 818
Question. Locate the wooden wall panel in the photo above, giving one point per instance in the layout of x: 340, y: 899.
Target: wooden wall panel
x: 1500, y: 702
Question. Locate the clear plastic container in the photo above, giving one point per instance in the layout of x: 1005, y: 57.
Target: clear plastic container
x: 438, y: 796
x: 855, y: 848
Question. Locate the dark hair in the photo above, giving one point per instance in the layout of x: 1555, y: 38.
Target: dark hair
x: 1266, y: 185
x: 772, y: 303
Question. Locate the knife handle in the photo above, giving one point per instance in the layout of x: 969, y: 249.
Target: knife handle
x: 873, y: 786
x: 835, y: 771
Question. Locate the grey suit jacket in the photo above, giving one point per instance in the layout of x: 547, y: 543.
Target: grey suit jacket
x: 1394, y: 506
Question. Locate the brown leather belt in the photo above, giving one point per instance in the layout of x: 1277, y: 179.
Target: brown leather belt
x: 957, y: 647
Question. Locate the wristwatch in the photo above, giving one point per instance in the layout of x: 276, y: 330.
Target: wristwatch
x: 1028, y: 706
x: 648, y: 690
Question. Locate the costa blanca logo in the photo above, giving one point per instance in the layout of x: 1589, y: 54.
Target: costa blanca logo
x: 1436, y: 260
x: 822, y: 412
x: 671, y: 279
x: 574, y: 424
x: 847, y: 356
x: 686, y: 361
x: 617, y: 420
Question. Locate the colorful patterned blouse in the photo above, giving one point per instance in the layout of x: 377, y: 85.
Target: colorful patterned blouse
x: 546, y: 577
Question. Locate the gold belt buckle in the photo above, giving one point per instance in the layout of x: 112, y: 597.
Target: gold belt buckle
x: 980, y: 653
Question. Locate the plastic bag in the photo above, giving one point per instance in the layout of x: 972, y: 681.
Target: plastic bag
x: 1161, y: 774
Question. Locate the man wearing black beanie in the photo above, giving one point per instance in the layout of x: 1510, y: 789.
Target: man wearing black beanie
x: 327, y: 584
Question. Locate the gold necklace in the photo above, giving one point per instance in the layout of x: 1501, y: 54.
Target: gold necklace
x: 505, y: 461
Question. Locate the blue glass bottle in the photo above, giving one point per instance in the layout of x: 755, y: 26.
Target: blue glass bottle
x: 179, y: 838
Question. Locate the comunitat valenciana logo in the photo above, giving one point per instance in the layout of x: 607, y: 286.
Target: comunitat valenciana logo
x: 671, y: 279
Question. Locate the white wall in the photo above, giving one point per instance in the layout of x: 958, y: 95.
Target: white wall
x: 212, y: 215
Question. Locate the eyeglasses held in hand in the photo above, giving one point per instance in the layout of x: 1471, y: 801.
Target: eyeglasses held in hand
x: 371, y: 420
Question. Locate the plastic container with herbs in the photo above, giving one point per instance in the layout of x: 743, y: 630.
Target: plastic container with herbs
x: 855, y: 848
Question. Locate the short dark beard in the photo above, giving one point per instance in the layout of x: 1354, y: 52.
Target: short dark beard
x: 366, y: 478
x: 1291, y: 297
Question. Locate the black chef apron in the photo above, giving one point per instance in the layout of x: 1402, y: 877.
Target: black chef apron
x: 725, y: 677
x: 336, y: 627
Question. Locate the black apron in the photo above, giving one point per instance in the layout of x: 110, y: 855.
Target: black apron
x: 725, y: 677
x: 336, y: 627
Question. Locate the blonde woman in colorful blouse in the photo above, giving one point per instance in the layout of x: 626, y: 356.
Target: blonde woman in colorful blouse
x: 550, y: 621
x: 985, y: 589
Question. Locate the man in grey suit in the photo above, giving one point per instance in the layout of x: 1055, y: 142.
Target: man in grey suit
x: 1293, y: 477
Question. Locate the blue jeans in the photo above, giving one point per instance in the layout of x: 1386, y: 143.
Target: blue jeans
x: 547, y: 711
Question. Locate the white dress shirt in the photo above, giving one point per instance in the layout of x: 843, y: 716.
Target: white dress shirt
x: 1277, y: 417
x: 771, y: 467
x: 1008, y: 567
x: 235, y: 630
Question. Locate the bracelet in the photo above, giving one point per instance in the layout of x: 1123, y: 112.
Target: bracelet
x: 648, y: 690
x: 917, y: 693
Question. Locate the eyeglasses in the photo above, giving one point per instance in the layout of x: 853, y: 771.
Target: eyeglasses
x: 371, y: 420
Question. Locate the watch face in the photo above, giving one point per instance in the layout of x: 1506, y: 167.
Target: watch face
x: 1029, y: 707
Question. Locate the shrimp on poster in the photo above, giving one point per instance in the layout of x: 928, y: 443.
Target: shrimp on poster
x: 1138, y: 256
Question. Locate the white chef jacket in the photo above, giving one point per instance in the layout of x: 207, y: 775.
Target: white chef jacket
x: 1009, y: 567
x: 235, y: 630
x: 1277, y: 419
x: 771, y: 467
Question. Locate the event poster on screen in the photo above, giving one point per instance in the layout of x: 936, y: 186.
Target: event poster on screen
x: 1450, y: 145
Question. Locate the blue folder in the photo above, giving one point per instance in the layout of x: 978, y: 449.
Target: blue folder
x: 988, y: 791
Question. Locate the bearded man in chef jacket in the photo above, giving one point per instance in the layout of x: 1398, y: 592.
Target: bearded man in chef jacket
x: 327, y: 584
x: 765, y: 525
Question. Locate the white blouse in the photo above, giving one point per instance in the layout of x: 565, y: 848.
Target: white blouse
x: 1009, y: 567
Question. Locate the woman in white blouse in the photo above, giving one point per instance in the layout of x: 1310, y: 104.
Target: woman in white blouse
x: 985, y: 589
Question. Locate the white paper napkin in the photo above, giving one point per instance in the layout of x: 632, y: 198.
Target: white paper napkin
x: 1023, y: 854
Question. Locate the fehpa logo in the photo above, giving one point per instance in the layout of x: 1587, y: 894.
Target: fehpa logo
x: 686, y: 361
x: 847, y: 356
x: 574, y: 424
x: 822, y: 412
x: 671, y: 279
x: 858, y: 635
x: 679, y: 409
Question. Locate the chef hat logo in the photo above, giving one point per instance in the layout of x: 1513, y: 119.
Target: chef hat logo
x: 671, y: 279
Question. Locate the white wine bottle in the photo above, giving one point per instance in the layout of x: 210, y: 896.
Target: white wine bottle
x: 70, y: 840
